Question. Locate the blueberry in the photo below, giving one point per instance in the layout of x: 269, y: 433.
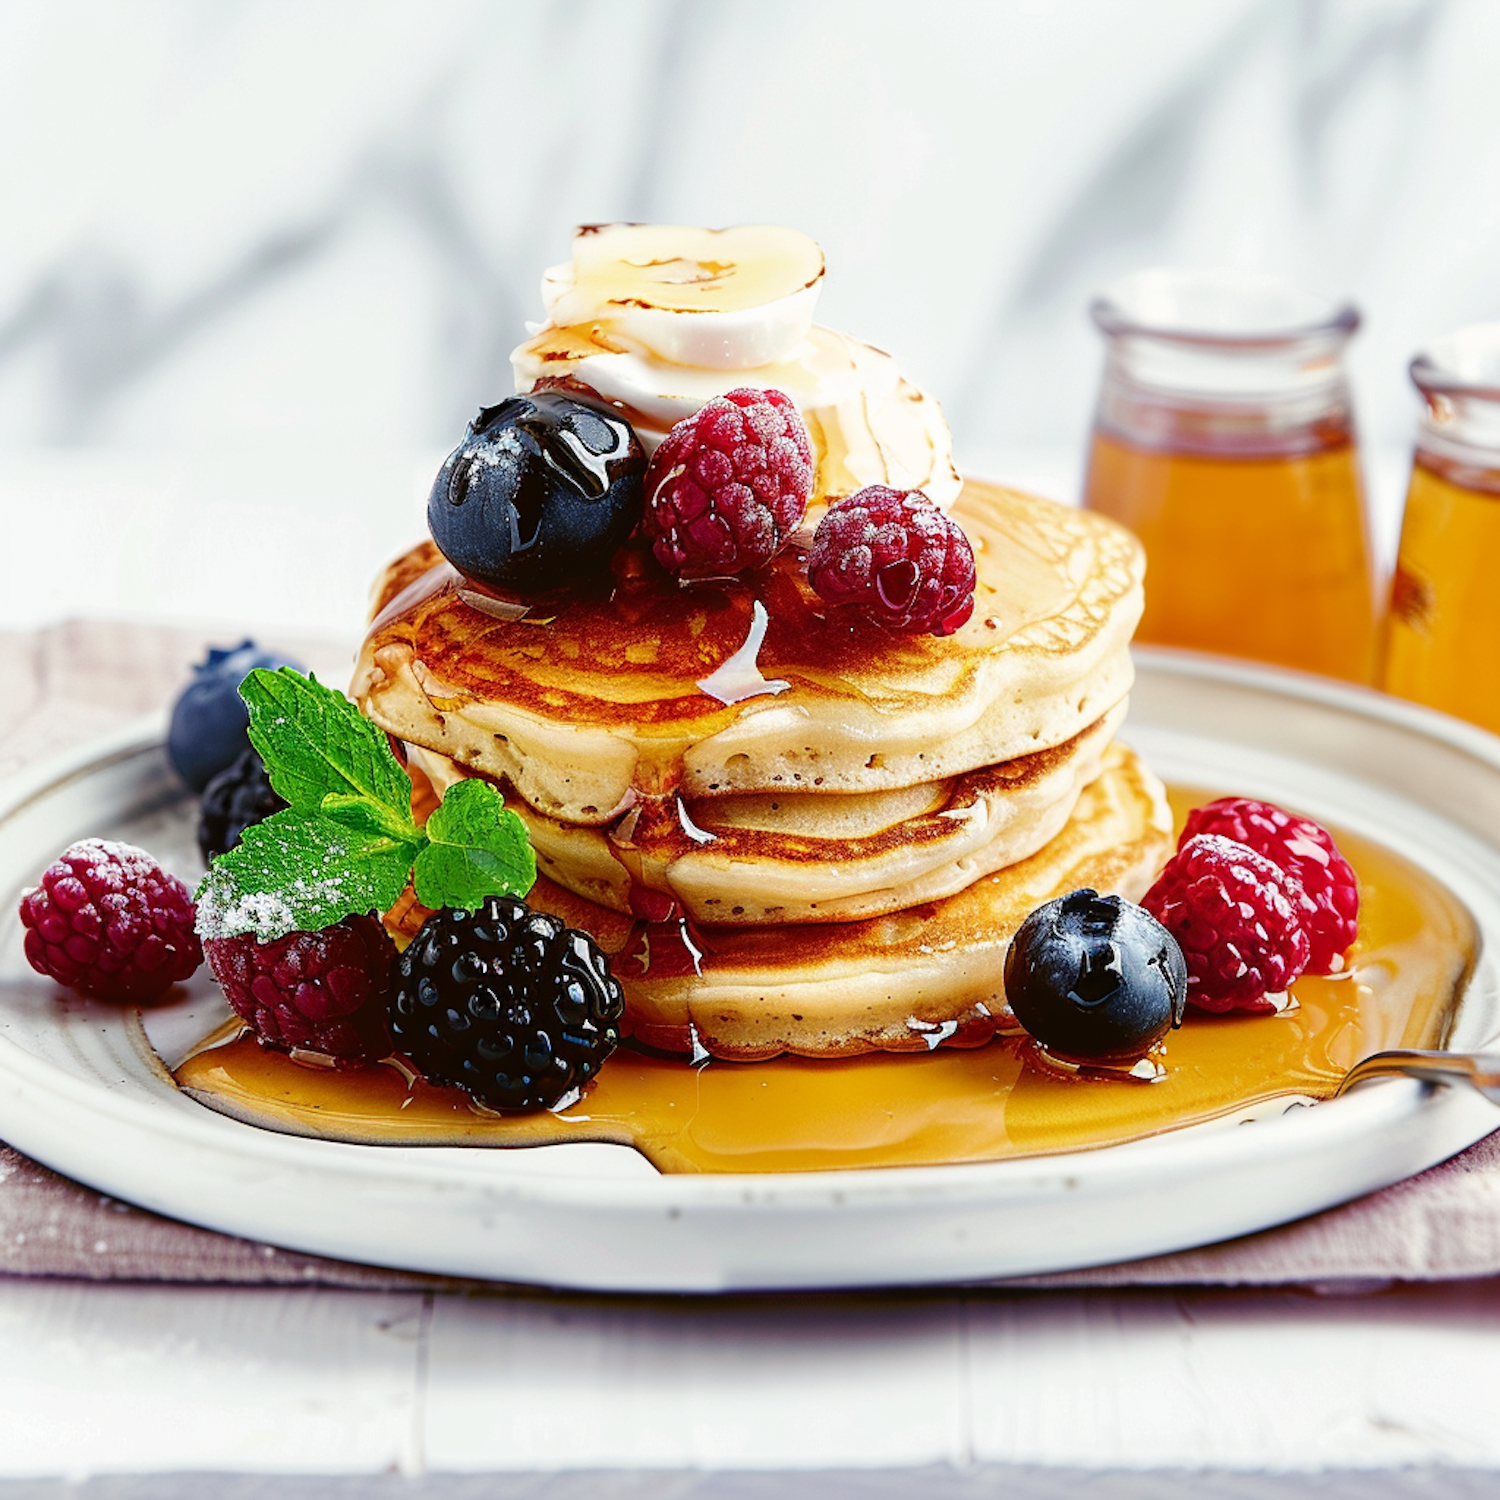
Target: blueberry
x: 209, y: 729
x: 541, y: 492
x: 1095, y: 976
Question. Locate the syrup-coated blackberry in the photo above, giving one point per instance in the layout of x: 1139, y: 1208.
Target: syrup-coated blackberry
x: 1095, y: 976
x: 506, y: 1003
x: 541, y: 492
x: 237, y: 797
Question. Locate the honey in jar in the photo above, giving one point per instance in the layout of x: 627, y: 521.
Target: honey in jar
x: 1225, y: 440
x: 1442, y: 632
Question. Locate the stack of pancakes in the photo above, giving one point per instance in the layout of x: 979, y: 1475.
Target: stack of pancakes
x: 796, y: 834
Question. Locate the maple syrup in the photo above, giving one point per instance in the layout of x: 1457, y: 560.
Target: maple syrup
x: 1407, y: 972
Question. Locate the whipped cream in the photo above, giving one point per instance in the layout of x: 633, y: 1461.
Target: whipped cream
x: 731, y: 308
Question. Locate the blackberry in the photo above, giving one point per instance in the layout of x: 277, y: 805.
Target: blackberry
x: 238, y: 796
x: 505, y: 1003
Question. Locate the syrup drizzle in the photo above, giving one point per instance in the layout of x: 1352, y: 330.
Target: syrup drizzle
x: 740, y: 678
x: 1408, y: 970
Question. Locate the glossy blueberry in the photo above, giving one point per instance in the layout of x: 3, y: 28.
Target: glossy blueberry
x: 1095, y: 976
x: 209, y: 729
x: 540, y: 493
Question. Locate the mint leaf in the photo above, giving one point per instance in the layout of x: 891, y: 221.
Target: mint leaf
x: 299, y: 872
x: 317, y: 745
x: 476, y: 848
x: 347, y: 842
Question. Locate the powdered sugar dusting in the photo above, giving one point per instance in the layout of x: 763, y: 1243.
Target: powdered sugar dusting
x: 225, y: 912
x: 496, y: 448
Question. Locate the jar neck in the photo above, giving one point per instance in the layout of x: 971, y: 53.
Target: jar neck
x: 1226, y: 403
x: 1482, y: 477
x: 1462, y: 430
x: 1458, y: 377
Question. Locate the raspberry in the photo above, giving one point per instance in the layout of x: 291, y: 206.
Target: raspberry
x: 1308, y: 854
x: 729, y: 485
x: 507, y: 1004
x: 108, y: 920
x: 315, y: 991
x: 1236, y: 919
x: 237, y: 797
x: 895, y: 558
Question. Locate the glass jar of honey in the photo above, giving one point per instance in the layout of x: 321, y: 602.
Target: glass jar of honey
x: 1224, y: 439
x: 1442, y: 630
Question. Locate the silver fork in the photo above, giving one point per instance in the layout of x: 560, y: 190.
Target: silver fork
x: 1481, y: 1070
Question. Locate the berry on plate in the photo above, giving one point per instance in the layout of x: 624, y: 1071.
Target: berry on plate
x: 108, y: 920
x: 506, y: 1003
x: 729, y: 485
x: 1236, y: 915
x: 541, y: 492
x: 210, y: 725
x: 1093, y: 976
x: 895, y: 558
x: 322, y: 991
x: 236, y: 799
x: 1306, y: 852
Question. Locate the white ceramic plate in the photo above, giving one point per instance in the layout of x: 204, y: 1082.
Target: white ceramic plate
x: 82, y: 1090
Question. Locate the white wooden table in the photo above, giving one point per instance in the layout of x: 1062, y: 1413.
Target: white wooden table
x: 118, y: 1379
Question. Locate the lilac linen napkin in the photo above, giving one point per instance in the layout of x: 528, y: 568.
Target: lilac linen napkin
x: 62, y: 686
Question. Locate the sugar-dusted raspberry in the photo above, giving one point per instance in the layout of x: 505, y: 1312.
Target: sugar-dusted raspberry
x: 108, y: 920
x: 729, y: 485
x: 1234, y: 913
x: 1303, y: 849
x: 316, y: 991
x: 896, y: 558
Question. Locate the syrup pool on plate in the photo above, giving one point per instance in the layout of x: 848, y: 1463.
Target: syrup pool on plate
x: 1407, y: 973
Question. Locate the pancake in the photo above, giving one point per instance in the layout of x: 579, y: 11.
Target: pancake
x: 752, y: 858
x: 928, y: 976
x: 645, y: 687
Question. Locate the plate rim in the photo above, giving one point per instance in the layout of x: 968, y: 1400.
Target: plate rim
x: 1306, y: 1132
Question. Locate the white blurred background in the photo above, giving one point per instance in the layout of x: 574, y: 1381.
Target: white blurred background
x: 262, y: 259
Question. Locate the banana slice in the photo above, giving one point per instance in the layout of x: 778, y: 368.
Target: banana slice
x: 719, y: 299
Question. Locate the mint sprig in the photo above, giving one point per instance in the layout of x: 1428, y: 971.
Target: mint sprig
x: 348, y: 843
